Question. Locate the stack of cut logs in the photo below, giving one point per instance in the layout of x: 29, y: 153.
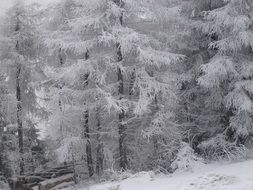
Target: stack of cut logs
x: 52, y: 179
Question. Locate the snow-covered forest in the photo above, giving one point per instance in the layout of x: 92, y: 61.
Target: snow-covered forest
x: 125, y: 86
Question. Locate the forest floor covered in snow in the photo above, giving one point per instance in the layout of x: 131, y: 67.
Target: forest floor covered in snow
x: 236, y: 176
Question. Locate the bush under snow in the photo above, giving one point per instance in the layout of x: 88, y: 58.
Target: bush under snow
x: 186, y: 159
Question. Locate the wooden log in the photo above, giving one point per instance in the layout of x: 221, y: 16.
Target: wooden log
x: 63, y: 172
x: 24, y: 182
x: 32, y: 179
x: 35, y: 188
x: 30, y: 185
x: 63, y: 167
x: 49, y: 184
x: 57, y: 176
x: 46, y: 175
x: 63, y: 185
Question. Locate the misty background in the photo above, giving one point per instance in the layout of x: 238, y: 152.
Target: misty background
x: 5, y: 4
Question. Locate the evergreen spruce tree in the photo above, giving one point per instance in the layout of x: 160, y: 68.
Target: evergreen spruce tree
x: 211, y: 95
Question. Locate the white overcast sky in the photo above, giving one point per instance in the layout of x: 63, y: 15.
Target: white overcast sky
x: 5, y: 4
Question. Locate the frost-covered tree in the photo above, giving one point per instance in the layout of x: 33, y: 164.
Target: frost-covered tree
x: 215, y: 93
x: 229, y: 69
x: 114, y: 68
x: 4, y: 149
x: 18, y: 62
x: 171, y: 30
x: 73, y: 44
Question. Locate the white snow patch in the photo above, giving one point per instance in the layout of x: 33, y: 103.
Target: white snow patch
x: 236, y: 176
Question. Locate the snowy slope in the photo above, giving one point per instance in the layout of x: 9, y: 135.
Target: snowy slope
x: 237, y: 176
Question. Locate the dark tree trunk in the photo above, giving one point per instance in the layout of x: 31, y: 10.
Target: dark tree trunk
x: 123, y: 163
x: 122, y: 128
x: 1, y: 151
x: 61, y: 60
x: 100, y: 146
x: 122, y: 143
x: 155, y: 138
x: 19, y: 104
x: 87, y: 128
x: 88, y: 143
x: 19, y: 117
x: 131, y: 85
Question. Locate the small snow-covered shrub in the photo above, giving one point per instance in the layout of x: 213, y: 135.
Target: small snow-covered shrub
x: 112, y: 175
x: 218, y: 148
x: 186, y: 159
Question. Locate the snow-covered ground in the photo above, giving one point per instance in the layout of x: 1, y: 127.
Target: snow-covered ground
x: 236, y: 176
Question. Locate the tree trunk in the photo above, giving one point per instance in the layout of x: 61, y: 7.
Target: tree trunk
x: 123, y: 163
x: 19, y: 104
x: 122, y: 128
x: 61, y: 59
x: 131, y: 85
x: 88, y: 143
x: 100, y: 146
x: 1, y: 153
x: 87, y: 128
x: 60, y: 87
x: 155, y: 137
x: 19, y: 118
